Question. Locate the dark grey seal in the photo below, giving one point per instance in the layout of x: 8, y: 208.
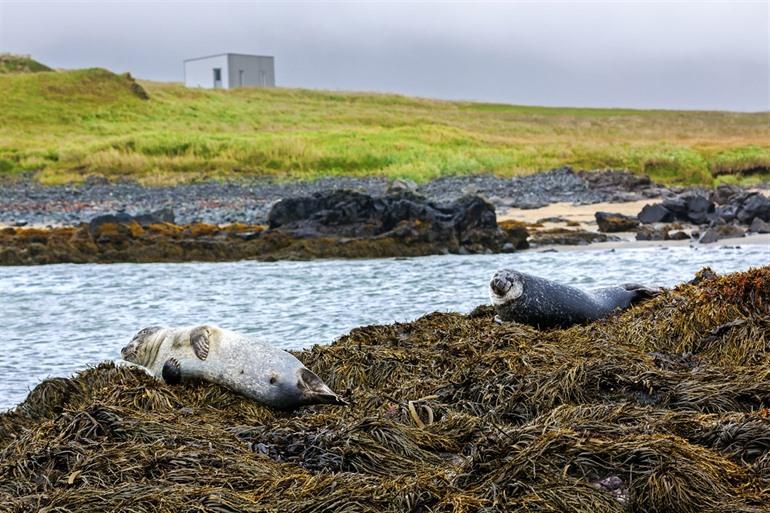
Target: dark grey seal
x: 264, y: 373
x: 542, y: 303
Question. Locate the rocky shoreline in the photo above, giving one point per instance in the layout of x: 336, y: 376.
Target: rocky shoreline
x: 663, y: 407
x: 368, y: 219
x: 341, y: 224
x: 27, y: 203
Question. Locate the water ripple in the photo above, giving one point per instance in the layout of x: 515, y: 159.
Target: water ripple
x: 59, y: 318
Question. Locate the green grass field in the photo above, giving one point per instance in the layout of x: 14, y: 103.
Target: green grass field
x: 65, y: 126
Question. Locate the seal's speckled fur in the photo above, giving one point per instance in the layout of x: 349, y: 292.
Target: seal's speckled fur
x: 259, y: 371
x: 543, y: 303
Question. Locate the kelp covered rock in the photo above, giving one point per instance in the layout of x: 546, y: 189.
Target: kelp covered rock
x: 341, y: 224
x: 662, y: 408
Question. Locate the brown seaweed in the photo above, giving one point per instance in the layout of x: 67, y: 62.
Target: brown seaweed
x: 662, y: 408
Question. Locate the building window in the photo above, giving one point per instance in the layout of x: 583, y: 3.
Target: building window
x: 217, y: 74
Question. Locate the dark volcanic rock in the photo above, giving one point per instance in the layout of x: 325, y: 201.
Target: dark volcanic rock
x: 698, y: 208
x: 164, y: 215
x: 611, y: 222
x: 677, y: 205
x: 469, y: 221
x: 692, y: 207
x: 517, y: 234
x: 122, y: 225
x: 759, y: 226
x: 650, y: 233
x: 722, y: 194
x: 719, y: 232
x: 678, y: 235
x: 754, y: 205
x: 726, y: 213
x: 727, y: 204
x: 656, y: 213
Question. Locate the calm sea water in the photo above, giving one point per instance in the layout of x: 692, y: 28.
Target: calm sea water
x: 57, y: 319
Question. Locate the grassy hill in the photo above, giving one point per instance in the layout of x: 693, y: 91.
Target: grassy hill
x: 10, y: 63
x: 68, y: 125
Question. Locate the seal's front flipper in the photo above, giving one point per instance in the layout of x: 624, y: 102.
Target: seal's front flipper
x: 642, y: 292
x: 199, y: 339
x: 172, y: 372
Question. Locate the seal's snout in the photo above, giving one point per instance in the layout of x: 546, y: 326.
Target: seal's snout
x: 315, y: 391
x: 130, y: 352
x: 500, y: 285
x: 505, y: 285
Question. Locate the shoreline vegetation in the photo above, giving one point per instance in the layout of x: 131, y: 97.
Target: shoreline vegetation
x: 61, y: 127
x: 663, y: 407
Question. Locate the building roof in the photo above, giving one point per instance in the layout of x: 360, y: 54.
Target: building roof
x: 228, y: 53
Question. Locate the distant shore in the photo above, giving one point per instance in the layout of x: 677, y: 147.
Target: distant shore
x: 27, y: 203
x: 102, y: 222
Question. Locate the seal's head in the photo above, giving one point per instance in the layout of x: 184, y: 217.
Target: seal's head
x: 136, y: 350
x: 505, y: 286
x: 312, y: 390
x: 300, y: 387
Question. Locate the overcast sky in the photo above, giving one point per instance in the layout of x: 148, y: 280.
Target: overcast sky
x: 675, y: 54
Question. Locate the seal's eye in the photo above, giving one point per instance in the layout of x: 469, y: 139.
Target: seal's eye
x: 273, y: 380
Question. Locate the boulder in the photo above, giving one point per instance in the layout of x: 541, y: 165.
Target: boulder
x: 726, y: 213
x: 328, y: 208
x: 655, y: 213
x: 677, y: 205
x: 759, y: 226
x: 723, y: 193
x: 164, y: 215
x: 720, y: 232
x: 650, y: 233
x: 469, y: 221
x: 517, y: 233
x: 754, y: 205
x: 111, y: 226
x: 612, y: 222
x: 691, y: 207
x: 698, y: 208
x: 678, y: 235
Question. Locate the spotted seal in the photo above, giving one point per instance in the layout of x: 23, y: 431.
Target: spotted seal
x: 254, y: 369
x: 543, y: 303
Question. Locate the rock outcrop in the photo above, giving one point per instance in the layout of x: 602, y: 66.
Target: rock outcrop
x: 469, y: 222
x: 340, y: 224
x: 610, y: 222
x: 726, y: 212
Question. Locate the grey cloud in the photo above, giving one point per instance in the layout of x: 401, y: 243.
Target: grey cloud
x: 688, y: 55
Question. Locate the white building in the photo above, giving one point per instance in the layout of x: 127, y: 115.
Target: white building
x: 229, y: 70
